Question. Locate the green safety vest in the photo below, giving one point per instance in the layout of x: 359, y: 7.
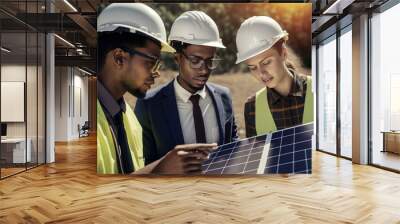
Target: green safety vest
x: 264, y: 120
x: 106, y: 141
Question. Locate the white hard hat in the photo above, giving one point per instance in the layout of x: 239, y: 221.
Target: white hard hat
x: 137, y: 17
x: 195, y: 27
x: 256, y: 35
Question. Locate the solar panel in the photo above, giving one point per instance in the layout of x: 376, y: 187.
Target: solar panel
x: 284, y: 151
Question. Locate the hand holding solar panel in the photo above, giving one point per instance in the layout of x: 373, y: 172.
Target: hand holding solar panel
x: 287, y: 151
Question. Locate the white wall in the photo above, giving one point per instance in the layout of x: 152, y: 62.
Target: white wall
x: 61, y: 103
x: 71, y: 93
x: 80, y: 97
x: 13, y: 73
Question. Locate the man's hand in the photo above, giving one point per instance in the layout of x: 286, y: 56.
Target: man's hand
x: 184, y: 159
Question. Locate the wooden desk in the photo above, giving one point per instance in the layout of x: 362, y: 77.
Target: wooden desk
x: 391, y: 141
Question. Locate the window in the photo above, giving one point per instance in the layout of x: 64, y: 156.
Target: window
x: 22, y: 75
x: 327, y: 95
x: 385, y: 86
x: 346, y: 93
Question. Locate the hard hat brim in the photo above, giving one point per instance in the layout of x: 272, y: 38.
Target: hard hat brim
x: 216, y: 44
x: 246, y: 57
x: 213, y: 44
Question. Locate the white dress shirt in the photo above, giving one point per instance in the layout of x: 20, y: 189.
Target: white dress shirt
x: 185, y: 109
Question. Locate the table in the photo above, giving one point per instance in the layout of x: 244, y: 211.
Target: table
x: 13, y: 150
x: 391, y: 141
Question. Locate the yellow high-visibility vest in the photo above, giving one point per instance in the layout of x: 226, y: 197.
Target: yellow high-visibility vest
x: 106, y: 142
x: 264, y: 120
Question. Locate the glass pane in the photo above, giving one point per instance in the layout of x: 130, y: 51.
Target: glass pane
x: 385, y: 89
x: 31, y: 98
x: 327, y: 96
x: 13, y: 87
x: 23, y: 82
x: 41, y: 99
x: 346, y: 94
x: 32, y: 85
x: 80, y: 103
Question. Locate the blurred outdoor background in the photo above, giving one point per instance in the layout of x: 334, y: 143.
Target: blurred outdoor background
x: 295, y: 18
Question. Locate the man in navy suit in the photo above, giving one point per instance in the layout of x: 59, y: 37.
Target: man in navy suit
x: 188, y: 109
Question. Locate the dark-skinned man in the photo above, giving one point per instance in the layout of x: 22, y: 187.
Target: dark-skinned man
x: 188, y: 109
x: 130, y: 39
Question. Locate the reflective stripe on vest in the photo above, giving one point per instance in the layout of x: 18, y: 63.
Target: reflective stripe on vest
x: 264, y: 120
x: 106, y: 150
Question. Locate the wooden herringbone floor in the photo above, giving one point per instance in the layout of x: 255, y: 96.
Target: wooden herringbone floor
x: 69, y: 191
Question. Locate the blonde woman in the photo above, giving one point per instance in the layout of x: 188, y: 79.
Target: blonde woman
x: 287, y: 99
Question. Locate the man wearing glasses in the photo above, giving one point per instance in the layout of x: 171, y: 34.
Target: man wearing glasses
x: 188, y: 109
x: 130, y: 39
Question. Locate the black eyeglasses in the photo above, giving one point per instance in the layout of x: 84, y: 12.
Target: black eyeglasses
x: 157, y: 61
x: 197, y: 62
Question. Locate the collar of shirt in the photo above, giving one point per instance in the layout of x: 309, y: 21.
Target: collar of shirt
x: 297, y: 89
x: 112, y: 106
x: 184, y: 95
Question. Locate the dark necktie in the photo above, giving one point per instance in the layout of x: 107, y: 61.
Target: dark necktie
x: 198, y: 119
x: 126, y: 159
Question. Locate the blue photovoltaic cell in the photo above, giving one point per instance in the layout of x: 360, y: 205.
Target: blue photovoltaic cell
x: 287, y: 132
x: 289, y: 152
x: 271, y: 169
x: 286, y: 149
x: 287, y: 140
x: 304, y: 128
x: 276, y: 135
x: 275, y: 143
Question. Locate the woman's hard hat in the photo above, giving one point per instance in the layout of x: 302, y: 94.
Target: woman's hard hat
x: 256, y: 35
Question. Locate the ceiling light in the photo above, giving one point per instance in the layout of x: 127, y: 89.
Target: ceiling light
x: 70, y: 5
x: 5, y: 50
x: 65, y: 41
x: 331, y: 8
x: 84, y: 71
x: 337, y: 7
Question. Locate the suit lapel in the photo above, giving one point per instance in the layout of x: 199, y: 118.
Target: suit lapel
x: 172, y: 114
x: 220, y: 112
